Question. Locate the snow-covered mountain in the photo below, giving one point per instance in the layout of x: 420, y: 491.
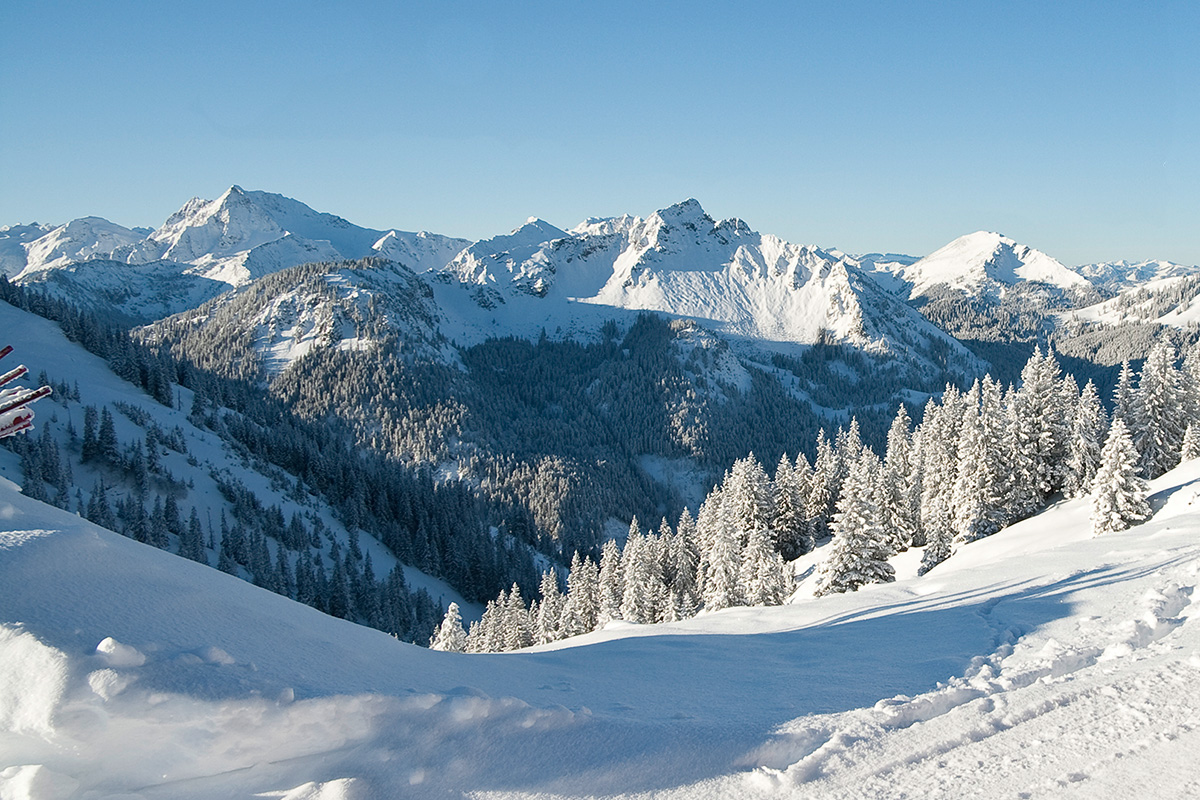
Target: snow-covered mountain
x: 13, y: 238
x: 246, y: 234
x: 1070, y: 671
x: 338, y: 305
x: 78, y: 240
x: 1113, y: 276
x: 982, y: 262
x: 208, y: 247
x: 681, y: 262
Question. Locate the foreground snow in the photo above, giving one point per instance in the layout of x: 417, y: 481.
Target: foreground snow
x: 1039, y: 662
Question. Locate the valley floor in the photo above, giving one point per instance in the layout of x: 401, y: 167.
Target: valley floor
x: 1041, y: 662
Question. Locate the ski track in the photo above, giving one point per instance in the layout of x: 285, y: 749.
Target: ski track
x: 1011, y: 721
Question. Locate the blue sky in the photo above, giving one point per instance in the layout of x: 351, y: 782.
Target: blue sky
x: 1074, y: 128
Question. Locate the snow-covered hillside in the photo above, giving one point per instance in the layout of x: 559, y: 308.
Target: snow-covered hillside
x: 982, y: 262
x: 192, y: 462
x: 1172, y: 301
x: 1038, y: 662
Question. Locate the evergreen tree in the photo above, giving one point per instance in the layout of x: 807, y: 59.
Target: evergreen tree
x: 90, y: 446
x: 106, y: 439
x: 937, y: 453
x: 1118, y: 492
x: 976, y: 501
x: 1041, y: 425
x: 722, y: 563
x: 1123, y: 397
x: 1190, y: 448
x: 685, y: 583
x: 793, y: 537
x: 610, y: 590
x: 1087, y: 440
x: 763, y: 574
x: 860, y: 551
x: 644, y: 591
x: 900, y: 499
x: 450, y: 635
x: 823, y: 488
x: 547, y: 623
x: 1158, y: 412
x: 581, y: 613
x: 516, y: 630
x: 938, y: 548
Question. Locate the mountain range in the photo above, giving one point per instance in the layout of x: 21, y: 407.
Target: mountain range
x: 376, y: 423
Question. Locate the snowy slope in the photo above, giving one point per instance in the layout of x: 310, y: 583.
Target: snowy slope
x: 1173, y: 301
x: 1038, y: 662
x: 40, y: 344
x: 982, y: 262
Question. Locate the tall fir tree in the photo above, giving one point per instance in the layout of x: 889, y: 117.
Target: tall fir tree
x: 1158, y: 412
x: 1118, y: 491
x: 450, y: 636
x: 860, y: 549
x: 1088, y: 427
x: 547, y: 624
x: 609, y: 590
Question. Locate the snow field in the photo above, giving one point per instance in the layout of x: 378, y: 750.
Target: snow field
x: 1037, y: 662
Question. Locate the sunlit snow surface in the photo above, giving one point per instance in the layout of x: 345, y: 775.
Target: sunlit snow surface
x: 1039, y: 662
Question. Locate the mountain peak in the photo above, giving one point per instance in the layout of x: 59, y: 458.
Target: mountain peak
x: 687, y: 211
x: 982, y: 257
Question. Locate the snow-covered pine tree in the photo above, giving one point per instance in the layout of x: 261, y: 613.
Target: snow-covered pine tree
x: 1191, y: 443
x: 684, y: 589
x: 763, y: 572
x: 1041, y: 427
x: 976, y: 501
x: 1019, y: 482
x: 516, y: 630
x: 822, y: 488
x: 937, y: 454
x: 1123, y: 396
x: 722, y: 563
x: 581, y: 611
x: 748, y: 498
x: 484, y: 635
x: 547, y: 624
x: 1191, y: 381
x: 1118, y: 492
x: 642, y: 579
x: 791, y: 525
x: 450, y: 635
x: 609, y: 589
x: 1088, y: 426
x: 1158, y: 412
x: 848, y: 447
x: 905, y: 469
x: 860, y: 551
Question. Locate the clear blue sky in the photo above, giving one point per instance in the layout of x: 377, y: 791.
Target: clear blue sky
x: 1074, y: 128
